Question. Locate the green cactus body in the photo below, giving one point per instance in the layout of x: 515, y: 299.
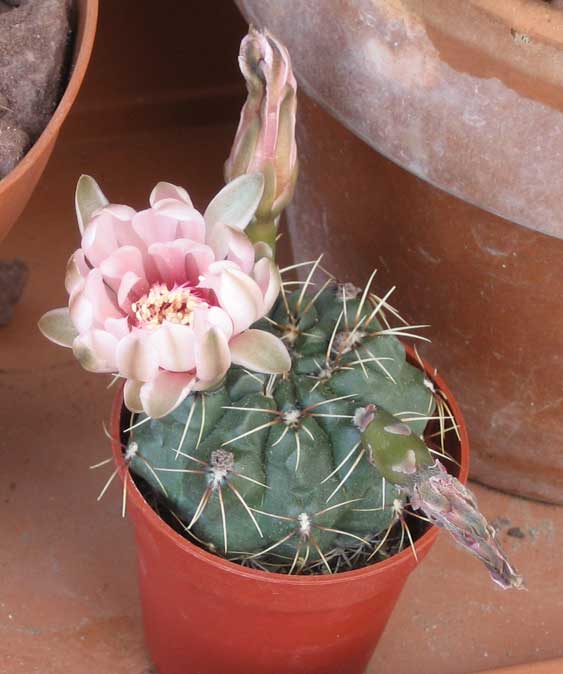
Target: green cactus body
x: 278, y: 465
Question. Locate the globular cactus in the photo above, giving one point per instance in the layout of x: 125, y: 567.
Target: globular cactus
x: 288, y: 470
x: 276, y: 464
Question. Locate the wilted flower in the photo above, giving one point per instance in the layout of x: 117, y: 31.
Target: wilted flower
x: 449, y: 504
x: 165, y: 297
x: 265, y: 139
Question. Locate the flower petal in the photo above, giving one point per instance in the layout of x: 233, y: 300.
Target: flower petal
x: 95, y: 351
x: 102, y: 299
x: 118, y: 327
x: 153, y: 228
x: 130, y: 289
x: 57, y: 326
x: 267, y: 275
x: 240, y: 249
x: 81, y: 311
x: 76, y: 270
x: 237, y: 202
x: 164, y: 190
x: 99, y: 239
x: 131, y: 395
x: 240, y: 297
x: 123, y: 260
x: 220, y: 318
x: 260, y: 351
x: 212, y: 355
x: 88, y: 198
x: 176, y: 346
x: 137, y: 356
x: 162, y: 395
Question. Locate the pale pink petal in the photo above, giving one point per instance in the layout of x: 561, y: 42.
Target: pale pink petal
x: 192, y: 227
x: 236, y: 203
x: 103, y: 300
x: 131, y: 395
x: 123, y: 260
x: 95, y: 351
x: 267, y: 275
x: 130, y: 290
x: 99, y: 239
x: 162, y: 395
x: 240, y: 249
x: 164, y: 190
x: 169, y: 259
x: 118, y: 327
x: 212, y: 355
x: 104, y: 346
x: 153, y: 228
x: 81, y: 311
x: 57, y: 326
x: 220, y: 318
x: 197, y: 262
x: 119, y: 211
x: 137, y: 356
x: 76, y: 270
x: 260, y: 351
x: 176, y: 346
x: 240, y: 297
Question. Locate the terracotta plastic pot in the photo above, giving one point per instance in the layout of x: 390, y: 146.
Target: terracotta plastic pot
x: 205, y: 615
x: 17, y: 187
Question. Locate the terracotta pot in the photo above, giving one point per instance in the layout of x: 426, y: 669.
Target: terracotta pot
x: 466, y: 96
x: 205, y: 615
x: 16, y: 188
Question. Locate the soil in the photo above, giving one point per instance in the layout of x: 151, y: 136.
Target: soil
x: 34, y: 46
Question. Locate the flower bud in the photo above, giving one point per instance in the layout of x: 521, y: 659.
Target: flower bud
x: 265, y: 138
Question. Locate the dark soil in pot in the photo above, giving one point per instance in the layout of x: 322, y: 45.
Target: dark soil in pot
x: 34, y: 52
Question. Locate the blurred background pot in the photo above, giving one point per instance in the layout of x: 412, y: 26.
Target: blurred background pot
x: 16, y: 188
x: 205, y: 615
x: 431, y: 147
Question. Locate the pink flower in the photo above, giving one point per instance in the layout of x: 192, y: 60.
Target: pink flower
x: 166, y: 297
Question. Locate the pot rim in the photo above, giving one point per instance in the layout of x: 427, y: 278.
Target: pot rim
x: 135, y: 498
x: 82, y: 51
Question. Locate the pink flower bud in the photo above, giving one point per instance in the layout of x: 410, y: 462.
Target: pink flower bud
x: 265, y: 138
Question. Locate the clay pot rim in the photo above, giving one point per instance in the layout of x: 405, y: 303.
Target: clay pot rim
x: 163, y: 529
x: 82, y: 51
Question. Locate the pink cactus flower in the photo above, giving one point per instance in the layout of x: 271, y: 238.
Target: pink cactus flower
x: 166, y: 297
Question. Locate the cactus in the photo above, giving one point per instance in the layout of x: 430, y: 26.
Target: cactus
x: 288, y: 470
x: 276, y: 464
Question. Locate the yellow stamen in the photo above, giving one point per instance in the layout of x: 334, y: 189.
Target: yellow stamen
x: 161, y: 304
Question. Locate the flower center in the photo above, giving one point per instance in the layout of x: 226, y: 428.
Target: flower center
x: 162, y: 304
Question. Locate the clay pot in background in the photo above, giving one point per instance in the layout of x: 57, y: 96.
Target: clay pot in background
x: 16, y: 188
x: 205, y: 615
x: 467, y: 95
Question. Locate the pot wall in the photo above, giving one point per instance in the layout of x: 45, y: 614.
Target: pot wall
x: 17, y: 187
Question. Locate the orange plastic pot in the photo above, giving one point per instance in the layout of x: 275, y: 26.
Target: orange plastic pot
x: 17, y: 187
x: 205, y: 615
